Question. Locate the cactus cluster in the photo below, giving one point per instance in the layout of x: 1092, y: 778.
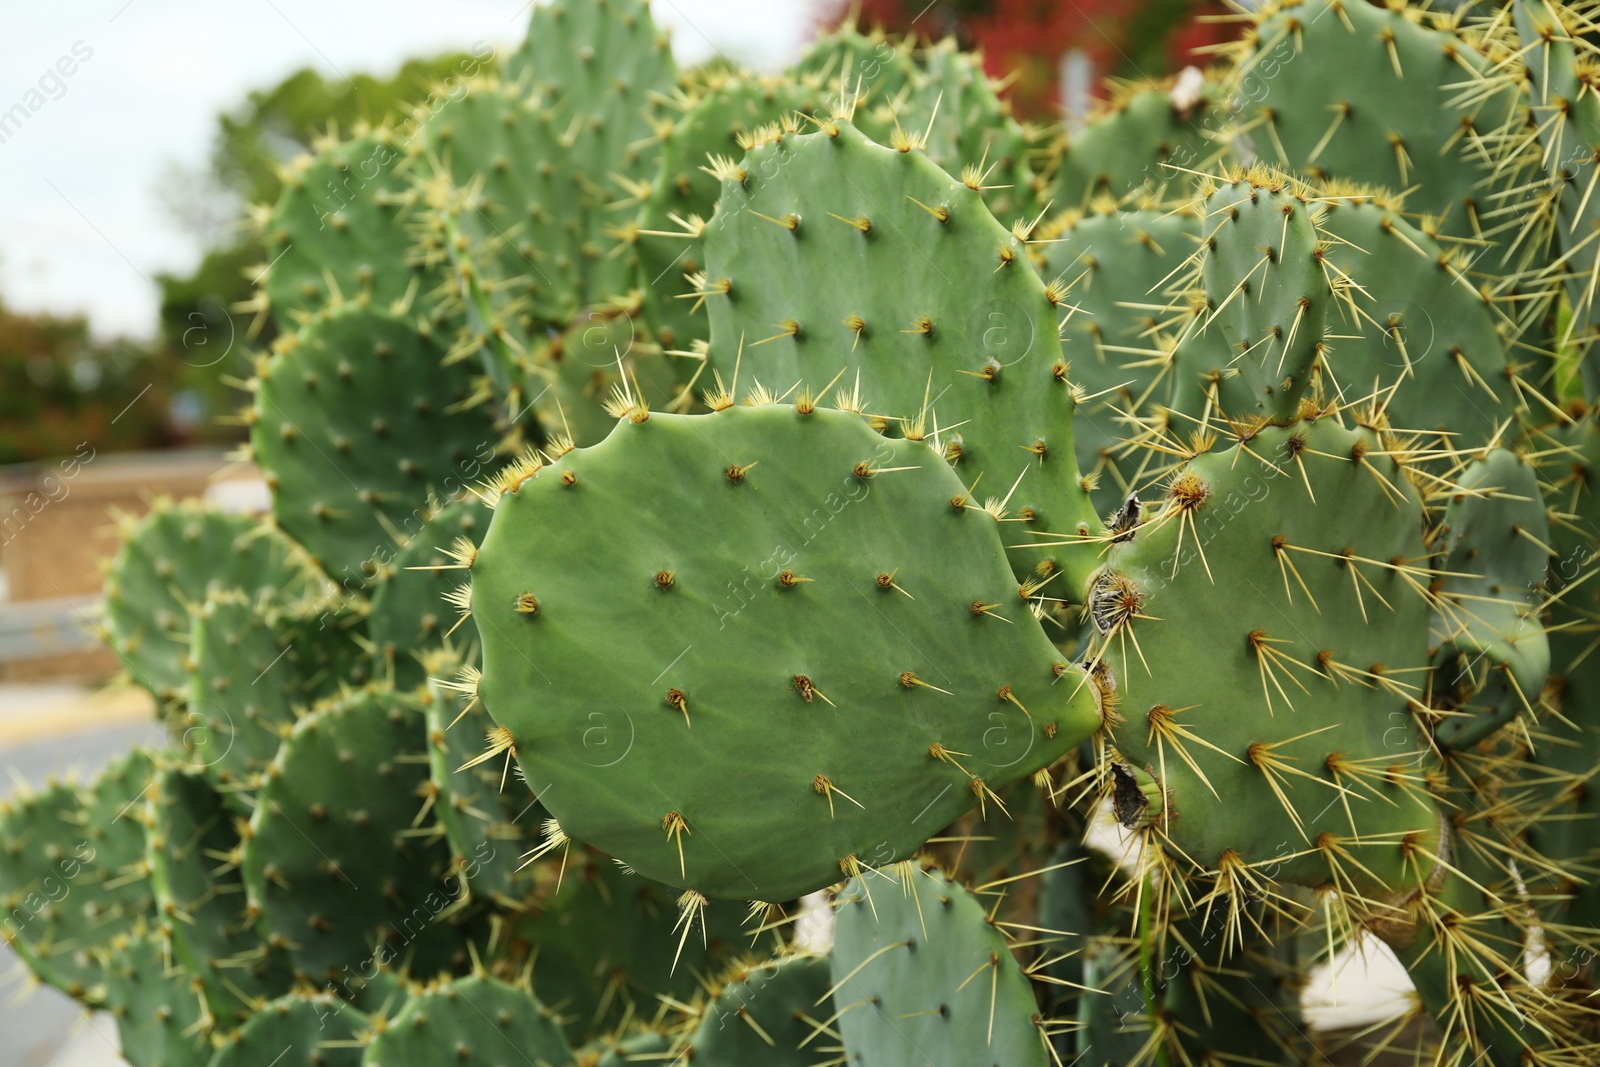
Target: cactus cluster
x: 803, y: 569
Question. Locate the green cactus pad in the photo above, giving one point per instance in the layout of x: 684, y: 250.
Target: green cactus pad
x: 192, y: 851
x: 335, y: 862
x: 1493, y: 654
x: 1146, y: 138
x: 1572, y: 749
x: 715, y: 714
x: 409, y: 614
x: 598, y: 69
x: 1119, y: 327
x: 1268, y: 295
x: 1066, y: 906
x: 972, y: 126
x: 359, y: 427
x: 72, y: 874
x: 920, y: 972
x: 609, y: 944
x: 1567, y: 120
x: 475, y: 1022
x: 297, y: 1031
x: 732, y: 107
x: 490, y: 823
x: 869, y: 67
x: 1113, y: 1022
x: 767, y: 1014
x: 161, y: 1019
x: 1221, y: 1004
x: 169, y: 561
x: 649, y: 1047
x: 1396, y: 116
x: 500, y: 164
x: 346, y: 218
x: 950, y: 331
x: 254, y: 673
x: 575, y: 373
x: 1415, y: 315
x: 1267, y: 627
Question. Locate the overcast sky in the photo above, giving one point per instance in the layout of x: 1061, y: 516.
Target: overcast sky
x: 83, y: 227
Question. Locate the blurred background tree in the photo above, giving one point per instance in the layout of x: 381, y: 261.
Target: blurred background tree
x: 1026, y: 40
x: 58, y: 389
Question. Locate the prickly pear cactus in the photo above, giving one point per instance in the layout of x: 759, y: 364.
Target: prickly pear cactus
x: 929, y: 971
x: 765, y: 1014
x: 1493, y: 655
x: 360, y: 428
x: 597, y: 70
x: 610, y: 943
x: 474, y: 1021
x: 193, y: 851
x: 685, y: 487
x: 409, y: 613
x: 1396, y: 114
x: 490, y: 828
x: 1152, y: 136
x: 1268, y: 293
x: 721, y: 122
x: 868, y: 271
x: 338, y: 813
x: 253, y: 673
x: 1267, y: 628
x: 345, y: 227
x: 1127, y: 306
x: 73, y: 875
x: 297, y: 1031
x: 161, y: 1019
x: 866, y: 740
x: 169, y: 561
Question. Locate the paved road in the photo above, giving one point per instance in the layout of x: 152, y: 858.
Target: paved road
x: 35, y: 1026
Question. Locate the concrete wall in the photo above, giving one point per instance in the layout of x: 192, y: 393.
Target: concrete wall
x: 57, y: 533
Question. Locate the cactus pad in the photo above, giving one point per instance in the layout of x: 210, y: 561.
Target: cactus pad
x: 732, y: 108
x: 869, y: 269
x: 193, y: 853
x: 161, y: 1020
x: 332, y: 861
x: 168, y: 562
x: 767, y: 1014
x: 1397, y: 115
x: 490, y: 823
x: 1119, y: 327
x: 72, y: 874
x: 409, y: 614
x: 475, y: 1022
x: 297, y: 1031
x: 920, y: 972
x: 1267, y: 629
x: 254, y: 673
x: 598, y: 68
x: 1146, y: 137
x: 1267, y: 291
x: 1493, y: 655
x: 498, y: 161
x: 346, y: 218
x: 1417, y: 316
x: 360, y: 427
x: 609, y: 944
x: 932, y: 680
